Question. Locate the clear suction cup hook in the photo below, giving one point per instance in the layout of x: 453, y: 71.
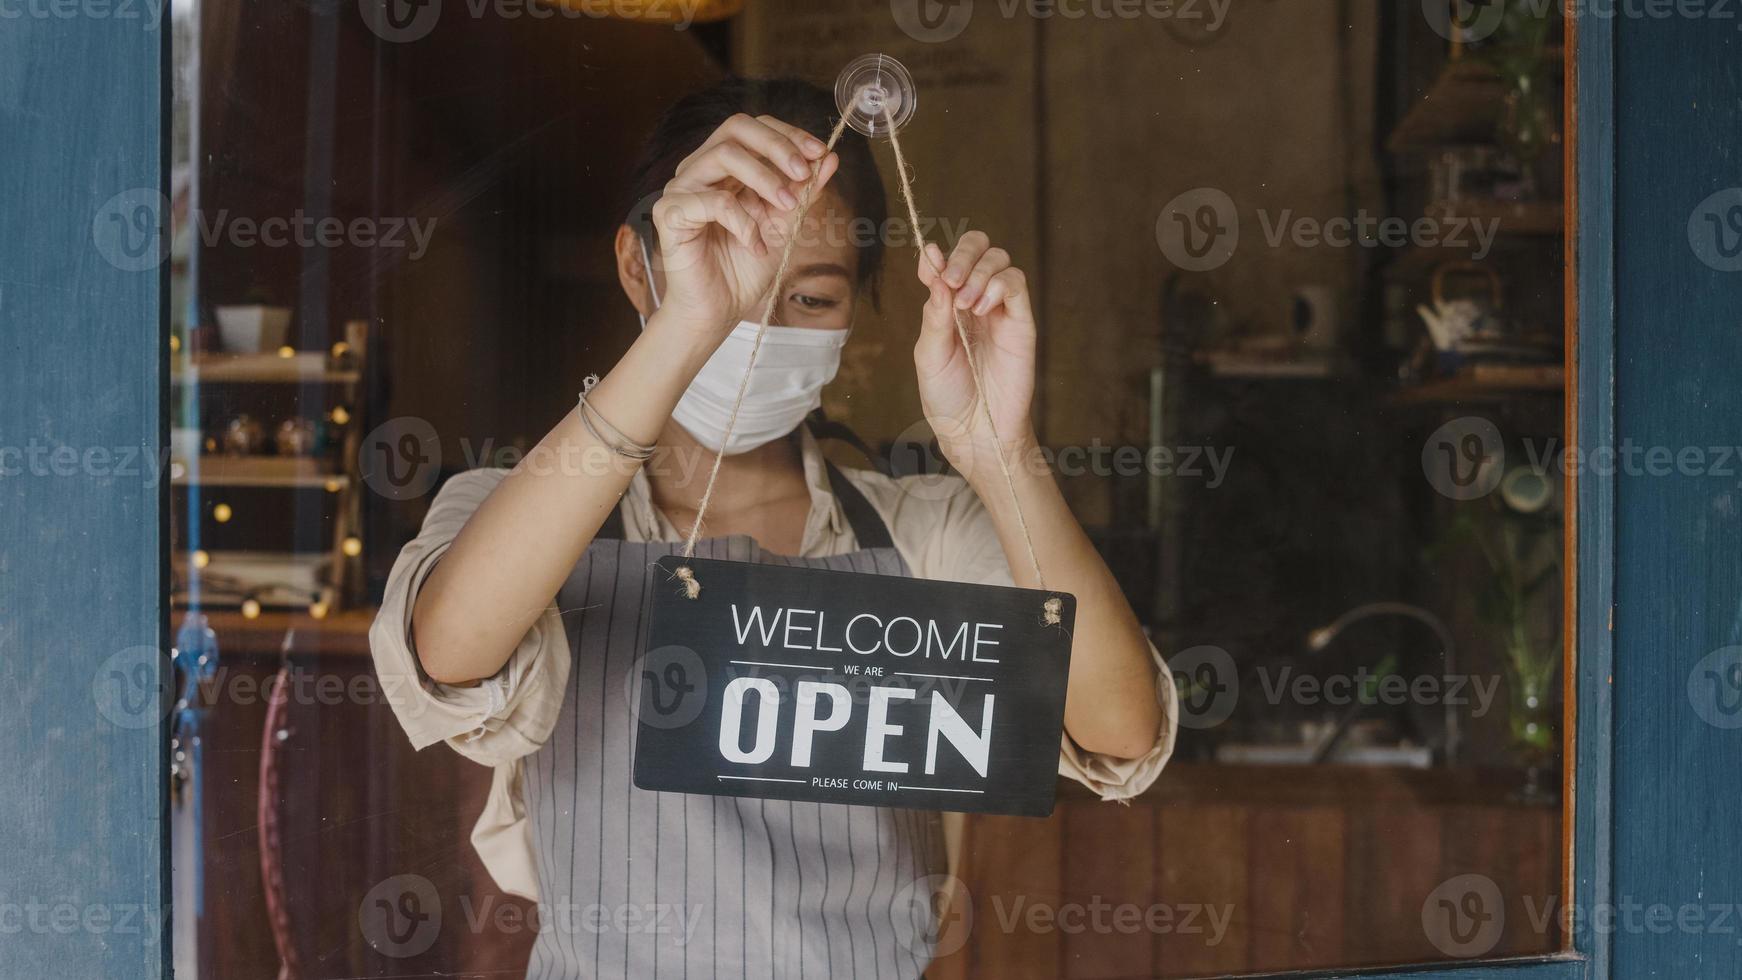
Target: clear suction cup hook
x: 876, y: 94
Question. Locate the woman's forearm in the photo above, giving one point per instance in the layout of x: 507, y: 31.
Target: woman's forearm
x: 517, y: 549
x: 1111, y: 706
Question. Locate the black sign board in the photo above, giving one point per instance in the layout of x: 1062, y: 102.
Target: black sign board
x: 803, y: 684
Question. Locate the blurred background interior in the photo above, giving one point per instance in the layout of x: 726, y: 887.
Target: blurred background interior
x: 323, y: 393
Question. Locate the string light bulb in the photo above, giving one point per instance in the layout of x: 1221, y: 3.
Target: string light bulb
x: 352, y: 546
x: 222, y: 513
x: 201, y: 558
x: 340, y: 415
x: 287, y: 351
x: 250, y: 608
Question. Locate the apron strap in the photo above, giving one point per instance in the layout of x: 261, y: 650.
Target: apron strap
x: 868, y: 525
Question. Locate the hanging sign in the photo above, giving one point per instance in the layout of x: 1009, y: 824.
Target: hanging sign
x: 804, y: 684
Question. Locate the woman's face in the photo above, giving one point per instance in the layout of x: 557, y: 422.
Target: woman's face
x: 821, y: 284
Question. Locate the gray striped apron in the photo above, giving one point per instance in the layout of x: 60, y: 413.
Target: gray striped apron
x: 643, y: 885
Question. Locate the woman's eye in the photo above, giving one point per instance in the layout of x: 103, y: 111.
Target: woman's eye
x: 814, y: 302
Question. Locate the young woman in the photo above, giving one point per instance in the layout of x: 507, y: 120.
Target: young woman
x: 515, y: 611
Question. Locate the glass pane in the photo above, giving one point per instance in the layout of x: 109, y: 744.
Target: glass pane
x: 1295, y: 274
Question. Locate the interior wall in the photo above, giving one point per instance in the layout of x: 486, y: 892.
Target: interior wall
x: 1064, y: 139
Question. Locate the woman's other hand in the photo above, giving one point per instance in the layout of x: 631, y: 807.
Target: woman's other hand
x: 992, y: 296
x: 724, y: 218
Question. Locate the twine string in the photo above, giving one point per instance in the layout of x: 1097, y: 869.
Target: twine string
x: 804, y: 203
x: 973, y: 365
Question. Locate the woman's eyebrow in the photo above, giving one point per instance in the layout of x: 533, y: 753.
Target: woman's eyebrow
x: 821, y: 269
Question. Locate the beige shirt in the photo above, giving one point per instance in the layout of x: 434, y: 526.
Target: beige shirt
x: 937, y: 523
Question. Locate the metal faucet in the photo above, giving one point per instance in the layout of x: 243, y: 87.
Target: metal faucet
x: 1322, y: 637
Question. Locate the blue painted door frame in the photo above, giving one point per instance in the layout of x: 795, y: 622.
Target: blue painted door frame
x: 83, y: 682
x: 83, y: 364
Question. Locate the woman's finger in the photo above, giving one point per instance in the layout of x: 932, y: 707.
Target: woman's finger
x: 807, y: 143
x: 967, y: 254
x: 681, y: 215
x: 777, y: 146
x: 931, y: 263
x: 1010, y: 290
x: 734, y: 161
x: 992, y: 261
x: 937, y: 330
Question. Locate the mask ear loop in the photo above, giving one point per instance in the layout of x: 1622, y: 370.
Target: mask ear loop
x: 684, y: 573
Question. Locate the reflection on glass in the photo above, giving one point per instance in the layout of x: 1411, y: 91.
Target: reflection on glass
x: 1300, y: 288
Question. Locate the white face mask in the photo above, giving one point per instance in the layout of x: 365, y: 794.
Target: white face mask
x: 786, y: 383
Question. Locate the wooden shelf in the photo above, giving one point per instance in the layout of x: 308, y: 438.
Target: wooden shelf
x: 305, y: 367
x: 1460, y: 108
x: 1525, y: 225
x: 296, y: 472
x: 1486, y: 383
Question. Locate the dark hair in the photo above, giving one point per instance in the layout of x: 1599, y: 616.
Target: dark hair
x: 693, y: 118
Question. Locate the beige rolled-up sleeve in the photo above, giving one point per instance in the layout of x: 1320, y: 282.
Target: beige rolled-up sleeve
x: 495, y: 723
x: 945, y: 532
x: 502, y: 718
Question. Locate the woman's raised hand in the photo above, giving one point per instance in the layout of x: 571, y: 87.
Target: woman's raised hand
x: 992, y: 297
x: 725, y: 216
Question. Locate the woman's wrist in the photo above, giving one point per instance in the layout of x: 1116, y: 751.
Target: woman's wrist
x: 679, y: 343
x: 1026, y: 464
